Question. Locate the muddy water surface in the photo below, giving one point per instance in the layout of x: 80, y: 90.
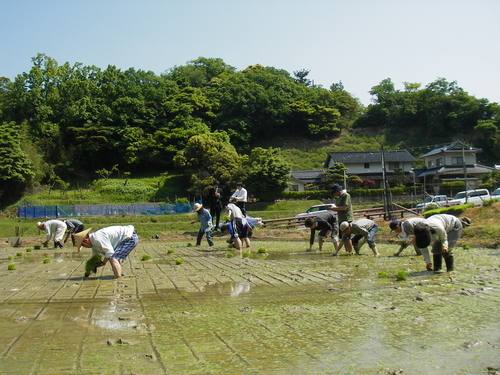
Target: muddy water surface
x: 288, y: 312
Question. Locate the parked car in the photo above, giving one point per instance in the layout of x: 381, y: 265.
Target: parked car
x: 495, y: 194
x: 476, y: 196
x: 440, y: 200
x: 317, y: 209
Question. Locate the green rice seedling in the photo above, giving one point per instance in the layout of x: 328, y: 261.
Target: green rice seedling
x: 19, y: 254
x: 29, y: 249
x: 231, y: 246
x: 37, y: 247
x: 91, y: 264
x: 10, y: 257
x: 466, y: 246
x: 179, y: 261
x: 229, y: 255
x: 170, y: 251
x: 261, y: 250
x: 383, y: 274
x: 11, y: 267
x: 246, y: 255
x: 189, y: 244
x: 146, y: 257
x: 401, y: 275
x: 47, y: 260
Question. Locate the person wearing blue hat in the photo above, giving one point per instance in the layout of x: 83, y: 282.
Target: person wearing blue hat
x: 406, y: 229
x: 344, y: 211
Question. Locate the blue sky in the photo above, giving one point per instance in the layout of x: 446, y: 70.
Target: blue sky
x: 358, y: 42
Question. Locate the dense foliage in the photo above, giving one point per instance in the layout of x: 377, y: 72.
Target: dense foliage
x: 440, y: 112
x: 65, y: 122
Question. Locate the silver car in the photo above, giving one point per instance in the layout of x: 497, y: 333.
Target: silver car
x: 317, y: 209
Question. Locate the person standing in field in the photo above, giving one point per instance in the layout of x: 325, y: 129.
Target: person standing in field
x: 326, y: 224
x: 215, y: 199
x: 405, y: 230
x: 54, y: 229
x: 345, y: 212
x: 115, y: 243
x: 74, y: 227
x: 240, y: 197
x: 205, y: 220
x: 363, y: 230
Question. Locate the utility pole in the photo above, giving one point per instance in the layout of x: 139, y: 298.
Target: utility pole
x: 387, y: 214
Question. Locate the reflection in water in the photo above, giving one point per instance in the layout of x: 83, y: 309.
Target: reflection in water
x: 239, y: 288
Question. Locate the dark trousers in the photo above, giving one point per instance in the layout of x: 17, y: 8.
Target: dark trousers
x: 243, y: 207
x: 215, y: 212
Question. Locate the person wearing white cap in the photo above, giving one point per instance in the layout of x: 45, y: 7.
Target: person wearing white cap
x: 205, y: 220
x: 115, y: 243
x: 364, y: 230
x: 53, y: 229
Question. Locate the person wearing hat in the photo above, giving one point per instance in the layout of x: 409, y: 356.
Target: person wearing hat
x: 364, y: 230
x: 74, y: 227
x: 239, y: 197
x: 405, y: 230
x: 326, y: 224
x: 444, y: 230
x: 345, y: 213
x: 115, y: 243
x: 205, y: 220
x: 215, y: 199
x: 53, y: 229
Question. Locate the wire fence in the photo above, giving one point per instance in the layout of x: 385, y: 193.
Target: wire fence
x: 96, y: 210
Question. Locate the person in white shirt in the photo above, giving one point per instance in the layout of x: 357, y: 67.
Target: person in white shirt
x: 239, y: 197
x: 405, y: 230
x: 444, y: 230
x: 236, y: 218
x: 53, y: 229
x: 115, y: 243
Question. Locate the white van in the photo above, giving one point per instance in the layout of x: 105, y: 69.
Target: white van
x: 476, y: 196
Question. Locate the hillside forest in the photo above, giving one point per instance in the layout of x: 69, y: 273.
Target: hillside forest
x: 63, y: 124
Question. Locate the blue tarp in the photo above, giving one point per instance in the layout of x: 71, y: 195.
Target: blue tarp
x: 82, y: 210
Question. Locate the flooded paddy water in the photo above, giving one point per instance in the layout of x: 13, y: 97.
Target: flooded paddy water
x: 287, y: 312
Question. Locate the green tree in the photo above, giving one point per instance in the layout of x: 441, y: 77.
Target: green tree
x: 16, y: 169
x: 265, y: 170
x: 334, y: 174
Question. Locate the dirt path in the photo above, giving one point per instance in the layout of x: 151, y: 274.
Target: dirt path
x: 288, y: 312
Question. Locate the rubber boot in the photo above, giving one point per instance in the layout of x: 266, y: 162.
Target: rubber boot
x: 438, y: 262
x: 449, y: 260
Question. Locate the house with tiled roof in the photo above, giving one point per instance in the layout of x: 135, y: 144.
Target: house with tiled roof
x: 456, y: 161
x: 299, y: 179
x: 368, y: 164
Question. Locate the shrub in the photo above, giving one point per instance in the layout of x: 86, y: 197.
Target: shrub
x: 402, y: 275
x: 11, y: 267
x: 146, y: 257
x: 452, y: 210
x: 490, y: 202
x: 47, y: 260
x: 179, y: 261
